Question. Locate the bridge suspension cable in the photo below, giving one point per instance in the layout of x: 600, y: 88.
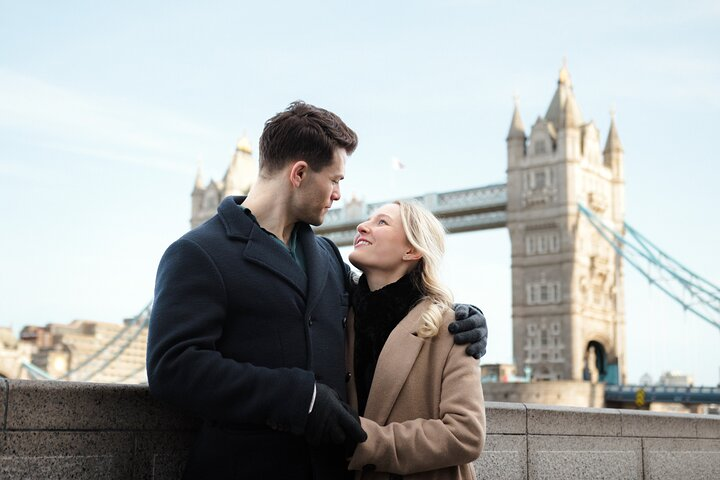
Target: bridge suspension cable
x: 693, y: 292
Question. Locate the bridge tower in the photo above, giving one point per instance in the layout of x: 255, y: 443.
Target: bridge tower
x: 567, y: 283
x: 238, y: 179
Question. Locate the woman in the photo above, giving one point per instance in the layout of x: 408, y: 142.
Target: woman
x: 418, y: 394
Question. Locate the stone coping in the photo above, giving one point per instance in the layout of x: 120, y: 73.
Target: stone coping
x: 53, y: 405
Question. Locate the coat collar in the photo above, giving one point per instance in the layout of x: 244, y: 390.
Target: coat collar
x: 394, y: 364
x: 271, y: 255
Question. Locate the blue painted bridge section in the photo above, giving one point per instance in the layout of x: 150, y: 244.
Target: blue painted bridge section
x: 641, y: 395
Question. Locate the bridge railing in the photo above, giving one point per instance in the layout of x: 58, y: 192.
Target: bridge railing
x: 460, y: 210
x: 663, y: 393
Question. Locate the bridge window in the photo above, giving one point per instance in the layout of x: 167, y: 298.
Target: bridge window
x: 542, y: 244
x: 530, y: 245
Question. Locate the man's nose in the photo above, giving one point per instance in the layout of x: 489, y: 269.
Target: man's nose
x: 335, y: 194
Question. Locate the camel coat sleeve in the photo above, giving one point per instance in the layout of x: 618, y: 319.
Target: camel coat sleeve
x: 426, y: 409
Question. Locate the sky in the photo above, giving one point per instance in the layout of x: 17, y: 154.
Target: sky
x: 108, y: 108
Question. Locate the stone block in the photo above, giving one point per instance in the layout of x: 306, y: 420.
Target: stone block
x: 505, y: 418
x: 161, y: 455
x: 652, y: 424
x: 504, y: 458
x: 554, y: 420
x: 49, y: 405
x: 62, y: 455
x: 568, y: 457
x: 708, y: 426
x: 689, y: 459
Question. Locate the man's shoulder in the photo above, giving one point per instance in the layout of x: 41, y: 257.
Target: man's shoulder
x: 209, y: 229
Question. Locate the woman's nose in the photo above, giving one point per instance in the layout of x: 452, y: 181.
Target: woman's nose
x: 362, y: 228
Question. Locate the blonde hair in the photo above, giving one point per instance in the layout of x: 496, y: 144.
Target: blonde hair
x: 427, y: 235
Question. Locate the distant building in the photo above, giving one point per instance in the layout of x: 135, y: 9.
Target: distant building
x: 13, y: 353
x: 675, y: 379
x: 85, y: 350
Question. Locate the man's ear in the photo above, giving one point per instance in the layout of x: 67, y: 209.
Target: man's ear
x: 298, y: 172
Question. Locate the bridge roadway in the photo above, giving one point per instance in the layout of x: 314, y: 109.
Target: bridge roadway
x: 479, y: 208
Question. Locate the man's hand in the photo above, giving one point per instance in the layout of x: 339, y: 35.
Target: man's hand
x: 332, y: 421
x: 470, y: 327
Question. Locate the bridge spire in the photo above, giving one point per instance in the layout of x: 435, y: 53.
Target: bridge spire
x: 199, y: 181
x: 612, y: 144
x: 517, y: 129
x: 563, y: 110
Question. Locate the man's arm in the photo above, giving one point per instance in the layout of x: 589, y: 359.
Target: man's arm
x: 185, y: 368
x: 470, y: 327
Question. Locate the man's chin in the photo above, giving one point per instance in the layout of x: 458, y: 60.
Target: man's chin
x: 315, y: 222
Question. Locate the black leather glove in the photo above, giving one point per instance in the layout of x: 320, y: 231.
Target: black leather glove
x: 332, y: 420
x: 350, y: 443
x: 470, y: 327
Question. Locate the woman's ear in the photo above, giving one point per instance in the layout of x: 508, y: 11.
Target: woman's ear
x: 298, y: 172
x: 412, y: 255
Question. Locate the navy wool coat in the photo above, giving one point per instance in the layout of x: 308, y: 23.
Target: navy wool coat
x: 238, y: 336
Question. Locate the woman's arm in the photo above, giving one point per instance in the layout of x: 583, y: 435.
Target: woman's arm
x: 419, y: 445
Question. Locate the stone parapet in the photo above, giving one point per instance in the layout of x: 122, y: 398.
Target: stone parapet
x: 59, y: 430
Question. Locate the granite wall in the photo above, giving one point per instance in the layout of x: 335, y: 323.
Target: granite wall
x: 61, y: 430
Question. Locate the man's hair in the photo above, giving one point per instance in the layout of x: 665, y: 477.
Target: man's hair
x: 303, y: 132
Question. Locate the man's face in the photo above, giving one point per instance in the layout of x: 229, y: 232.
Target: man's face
x: 320, y: 189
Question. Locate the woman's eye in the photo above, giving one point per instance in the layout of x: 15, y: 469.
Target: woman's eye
x: 382, y: 222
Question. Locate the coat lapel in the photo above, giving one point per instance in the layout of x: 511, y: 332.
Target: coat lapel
x: 394, y: 364
x: 270, y: 254
x: 260, y: 250
x: 317, y: 265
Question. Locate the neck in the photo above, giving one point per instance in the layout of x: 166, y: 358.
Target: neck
x: 268, y: 200
x: 378, y: 279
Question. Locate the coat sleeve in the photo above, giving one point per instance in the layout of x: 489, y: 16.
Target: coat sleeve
x: 185, y: 369
x: 419, y: 445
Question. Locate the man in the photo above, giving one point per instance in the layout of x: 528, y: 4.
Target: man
x: 247, y: 327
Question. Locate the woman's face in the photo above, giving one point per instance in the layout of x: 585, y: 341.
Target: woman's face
x: 380, y: 243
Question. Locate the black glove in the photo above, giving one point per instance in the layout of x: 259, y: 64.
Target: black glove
x: 331, y: 420
x: 470, y: 327
x: 350, y: 443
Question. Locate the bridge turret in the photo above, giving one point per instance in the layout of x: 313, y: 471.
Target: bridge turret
x: 198, y: 193
x: 242, y: 171
x: 613, y: 151
x: 564, y: 114
x: 516, y: 139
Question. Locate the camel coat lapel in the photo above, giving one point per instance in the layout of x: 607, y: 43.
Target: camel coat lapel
x: 394, y: 365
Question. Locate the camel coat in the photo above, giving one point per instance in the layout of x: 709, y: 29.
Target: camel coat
x: 425, y: 415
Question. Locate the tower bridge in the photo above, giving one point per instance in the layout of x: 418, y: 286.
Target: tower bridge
x: 563, y: 206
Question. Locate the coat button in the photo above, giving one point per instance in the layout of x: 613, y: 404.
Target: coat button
x: 348, y: 376
x: 310, y: 322
x: 344, y: 322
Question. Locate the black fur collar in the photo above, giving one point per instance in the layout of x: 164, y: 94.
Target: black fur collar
x: 376, y: 315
